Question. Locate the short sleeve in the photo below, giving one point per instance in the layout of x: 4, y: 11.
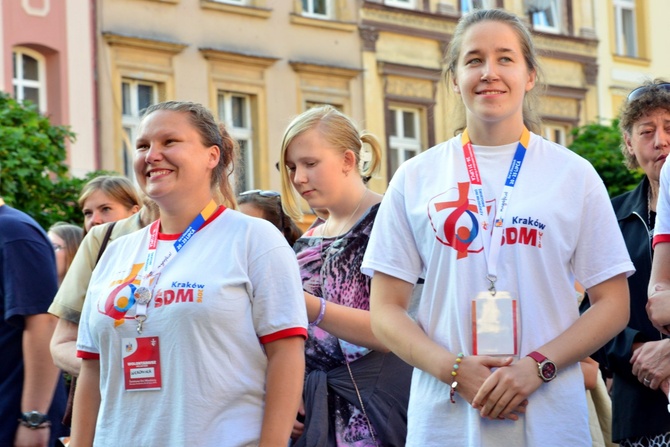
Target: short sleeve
x: 600, y: 252
x: 278, y: 302
x: 29, y: 279
x: 662, y: 227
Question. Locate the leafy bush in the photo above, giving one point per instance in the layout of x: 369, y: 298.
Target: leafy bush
x: 600, y: 144
x: 33, y: 175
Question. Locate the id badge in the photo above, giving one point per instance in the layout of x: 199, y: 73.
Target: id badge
x: 141, y: 363
x: 495, y: 324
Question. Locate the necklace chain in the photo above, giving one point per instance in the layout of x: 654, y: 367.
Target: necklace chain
x: 325, y: 225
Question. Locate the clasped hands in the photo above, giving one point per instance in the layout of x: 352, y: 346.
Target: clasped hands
x: 497, y: 387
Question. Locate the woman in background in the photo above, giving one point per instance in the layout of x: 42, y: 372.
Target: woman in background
x: 639, y: 357
x: 65, y: 239
x: 108, y: 198
x: 267, y: 205
x: 321, y: 162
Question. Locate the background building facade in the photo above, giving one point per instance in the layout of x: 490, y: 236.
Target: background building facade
x: 95, y: 64
x: 633, y: 35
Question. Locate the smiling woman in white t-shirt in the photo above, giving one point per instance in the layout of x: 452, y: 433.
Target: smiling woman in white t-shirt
x: 500, y: 223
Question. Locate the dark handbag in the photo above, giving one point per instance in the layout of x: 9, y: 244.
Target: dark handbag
x: 67, y: 417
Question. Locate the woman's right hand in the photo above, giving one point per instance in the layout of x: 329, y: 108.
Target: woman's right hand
x: 299, y: 423
x: 473, y: 372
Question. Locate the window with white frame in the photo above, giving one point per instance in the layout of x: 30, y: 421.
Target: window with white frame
x: 29, y: 77
x: 404, y: 136
x: 471, y: 5
x: 317, y: 8
x: 546, y: 16
x: 407, y: 4
x: 555, y: 133
x: 625, y: 29
x: 135, y: 97
x: 235, y: 112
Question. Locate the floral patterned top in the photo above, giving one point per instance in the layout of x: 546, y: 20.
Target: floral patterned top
x: 330, y: 268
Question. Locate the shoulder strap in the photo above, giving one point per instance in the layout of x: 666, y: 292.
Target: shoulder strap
x: 105, y: 241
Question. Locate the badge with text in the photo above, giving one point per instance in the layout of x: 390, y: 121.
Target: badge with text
x: 495, y: 324
x: 141, y: 363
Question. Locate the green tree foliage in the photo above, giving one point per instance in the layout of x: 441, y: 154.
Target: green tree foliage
x: 33, y: 175
x: 600, y: 144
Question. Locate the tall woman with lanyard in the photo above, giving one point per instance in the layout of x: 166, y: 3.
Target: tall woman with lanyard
x: 193, y: 328
x: 500, y: 223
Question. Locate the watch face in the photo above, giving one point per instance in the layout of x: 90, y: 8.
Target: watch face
x: 548, y: 371
x: 34, y: 418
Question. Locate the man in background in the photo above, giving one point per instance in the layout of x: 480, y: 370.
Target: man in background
x: 33, y: 394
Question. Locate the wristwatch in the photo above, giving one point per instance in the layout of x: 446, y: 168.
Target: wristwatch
x: 546, y: 369
x: 34, y: 420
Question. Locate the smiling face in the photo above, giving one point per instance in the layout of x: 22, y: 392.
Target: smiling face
x: 317, y: 168
x: 99, y: 208
x: 172, y: 165
x: 649, y: 142
x: 492, y: 76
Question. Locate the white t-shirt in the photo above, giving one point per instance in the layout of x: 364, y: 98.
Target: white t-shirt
x: 662, y: 227
x: 232, y: 287
x: 559, y: 227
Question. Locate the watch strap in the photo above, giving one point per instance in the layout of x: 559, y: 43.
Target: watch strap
x: 34, y: 420
x: 539, y: 358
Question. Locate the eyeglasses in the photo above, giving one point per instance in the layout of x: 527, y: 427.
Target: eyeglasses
x: 270, y: 194
x: 57, y: 247
x: 636, y: 93
x: 260, y: 192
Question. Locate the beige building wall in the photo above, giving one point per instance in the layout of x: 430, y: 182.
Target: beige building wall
x: 403, y: 49
x: 269, y: 53
x: 81, y: 85
x: 619, y: 73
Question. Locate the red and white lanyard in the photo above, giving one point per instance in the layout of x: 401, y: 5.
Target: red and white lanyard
x: 492, y: 241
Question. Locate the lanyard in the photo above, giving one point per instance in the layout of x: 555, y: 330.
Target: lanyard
x: 492, y: 240
x: 144, y: 292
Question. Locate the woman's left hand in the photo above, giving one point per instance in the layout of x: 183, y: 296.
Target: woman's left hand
x: 651, y: 363
x: 507, y: 388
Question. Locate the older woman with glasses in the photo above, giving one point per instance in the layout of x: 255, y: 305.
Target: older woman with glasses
x: 267, y: 205
x: 639, y: 357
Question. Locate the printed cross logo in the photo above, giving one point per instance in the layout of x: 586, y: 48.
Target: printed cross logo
x: 454, y: 220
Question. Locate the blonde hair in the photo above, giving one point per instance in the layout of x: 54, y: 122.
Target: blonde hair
x: 340, y: 132
x: 531, y: 118
x: 119, y: 188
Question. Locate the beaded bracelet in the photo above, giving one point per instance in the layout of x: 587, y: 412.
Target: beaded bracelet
x: 322, y: 313
x: 454, y: 373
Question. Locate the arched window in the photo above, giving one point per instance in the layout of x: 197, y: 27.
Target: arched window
x: 29, y: 77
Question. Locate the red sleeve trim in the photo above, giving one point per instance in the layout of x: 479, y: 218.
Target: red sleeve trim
x: 88, y: 355
x: 286, y: 333
x: 660, y: 239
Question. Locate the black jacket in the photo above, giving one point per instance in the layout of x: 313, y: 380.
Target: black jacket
x: 636, y: 409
